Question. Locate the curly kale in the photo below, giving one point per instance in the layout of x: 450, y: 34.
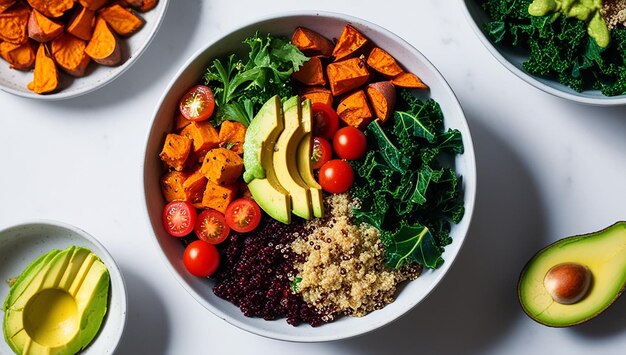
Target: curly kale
x: 559, y: 48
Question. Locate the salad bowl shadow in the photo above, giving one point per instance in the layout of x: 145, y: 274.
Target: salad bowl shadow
x: 171, y: 249
x: 512, y: 59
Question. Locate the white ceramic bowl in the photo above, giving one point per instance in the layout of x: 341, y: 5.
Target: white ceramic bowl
x: 97, y: 76
x: 23, y: 243
x: 330, y: 25
x: 513, y: 59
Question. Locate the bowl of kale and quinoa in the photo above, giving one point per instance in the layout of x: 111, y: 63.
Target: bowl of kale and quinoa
x: 571, y: 49
x: 260, y: 236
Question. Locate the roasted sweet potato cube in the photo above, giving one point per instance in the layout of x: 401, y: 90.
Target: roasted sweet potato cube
x: 123, y: 21
x: 347, y: 75
x: 175, y: 151
x: 222, y: 166
x: 93, y: 4
x: 311, y: 43
x: 172, y: 186
x: 52, y: 8
x: 181, y: 121
x: 350, y: 41
x: 408, y: 80
x: 82, y: 22
x: 382, y: 97
x: 311, y: 73
x: 194, y: 187
x: 203, y: 136
x: 19, y: 56
x: 218, y: 197
x: 317, y: 94
x: 14, y: 24
x: 383, y: 63
x: 232, y: 135
x: 5, y: 4
x: 354, y: 110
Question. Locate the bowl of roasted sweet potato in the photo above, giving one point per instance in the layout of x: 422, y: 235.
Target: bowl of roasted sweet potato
x: 286, y: 236
x: 58, y: 49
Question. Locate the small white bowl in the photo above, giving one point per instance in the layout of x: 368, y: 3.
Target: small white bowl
x: 512, y: 60
x: 97, y: 76
x: 23, y: 243
x: 171, y: 249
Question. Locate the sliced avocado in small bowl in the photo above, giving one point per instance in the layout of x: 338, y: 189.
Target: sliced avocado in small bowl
x: 575, y: 278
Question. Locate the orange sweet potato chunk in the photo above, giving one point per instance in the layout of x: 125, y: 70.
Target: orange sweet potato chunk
x: 311, y: 43
x: 232, y: 135
x: 175, y: 151
x: 69, y: 53
x: 14, y: 24
x: 104, y: 47
x: 5, y: 4
x: 46, y: 77
x: 123, y: 21
x: 350, y: 41
x: 172, y: 186
x: 93, y: 4
x: 41, y: 28
x: 347, y: 75
x: 222, y: 166
x: 202, y: 135
x: 383, y: 63
x: 218, y: 197
x: 194, y: 187
x: 354, y: 110
x: 82, y: 23
x: 317, y: 94
x: 311, y: 73
x: 382, y: 97
x: 52, y: 8
x: 408, y: 80
x: 19, y: 56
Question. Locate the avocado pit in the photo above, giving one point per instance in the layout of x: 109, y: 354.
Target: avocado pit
x: 568, y: 283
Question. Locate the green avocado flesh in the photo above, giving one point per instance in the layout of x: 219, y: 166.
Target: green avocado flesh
x: 603, y: 252
x: 57, y: 304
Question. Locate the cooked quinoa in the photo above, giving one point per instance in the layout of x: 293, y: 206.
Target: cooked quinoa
x: 614, y: 13
x: 341, y: 269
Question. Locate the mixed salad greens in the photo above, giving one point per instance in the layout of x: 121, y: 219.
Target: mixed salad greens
x: 559, y: 47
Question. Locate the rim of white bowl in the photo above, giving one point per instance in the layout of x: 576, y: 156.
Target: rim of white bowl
x: 118, y: 70
x: 110, y: 263
x: 470, y: 194
x: 532, y: 80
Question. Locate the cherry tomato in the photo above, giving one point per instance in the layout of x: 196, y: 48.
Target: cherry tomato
x: 201, y: 258
x: 243, y: 215
x: 211, y: 227
x: 321, y: 153
x: 198, y: 103
x: 350, y: 143
x: 336, y: 176
x: 179, y: 218
x: 325, y: 120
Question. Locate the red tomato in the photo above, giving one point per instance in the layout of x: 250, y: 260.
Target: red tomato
x: 325, y: 120
x: 201, y: 258
x: 243, y: 215
x: 336, y: 176
x: 178, y: 218
x: 321, y: 153
x: 198, y: 103
x: 211, y: 227
x: 350, y: 143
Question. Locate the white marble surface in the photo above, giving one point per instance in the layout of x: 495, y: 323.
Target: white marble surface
x: 547, y: 169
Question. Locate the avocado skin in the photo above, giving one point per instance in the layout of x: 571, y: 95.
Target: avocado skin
x: 90, y: 294
x: 600, y: 243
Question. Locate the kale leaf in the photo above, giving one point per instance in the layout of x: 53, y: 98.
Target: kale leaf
x: 240, y: 88
x: 559, y: 47
x: 404, y: 178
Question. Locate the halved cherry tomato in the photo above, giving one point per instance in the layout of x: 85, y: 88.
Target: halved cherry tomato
x: 201, y: 258
x: 198, y: 103
x: 336, y: 176
x: 243, y: 215
x: 325, y: 120
x: 179, y: 218
x: 211, y: 227
x: 350, y: 143
x: 321, y: 152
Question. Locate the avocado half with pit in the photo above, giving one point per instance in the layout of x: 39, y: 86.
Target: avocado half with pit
x: 575, y: 278
x: 57, y: 304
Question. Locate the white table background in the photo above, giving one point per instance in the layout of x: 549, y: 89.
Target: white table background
x: 547, y: 169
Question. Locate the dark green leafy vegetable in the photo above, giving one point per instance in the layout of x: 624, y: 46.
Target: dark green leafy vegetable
x: 240, y: 88
x: 558, y: 47
x: 405, y: 179
x: 295, y: 284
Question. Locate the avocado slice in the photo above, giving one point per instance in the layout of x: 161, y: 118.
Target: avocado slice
x: 57, y: 304
x: 285, y: 163
x: 304, y: 161
x: 258, y: 162
x: 602, y: 253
